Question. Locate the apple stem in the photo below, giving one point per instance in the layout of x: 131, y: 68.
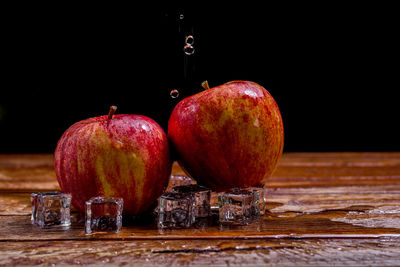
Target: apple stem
x: 111, y: 112
x: 205, y: 85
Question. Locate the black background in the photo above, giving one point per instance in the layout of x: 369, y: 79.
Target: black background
x: 332, y: 69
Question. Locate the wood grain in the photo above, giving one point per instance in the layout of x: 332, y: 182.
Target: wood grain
x: 333, y: 224
x: 282, y: 252
x: 323, y: 209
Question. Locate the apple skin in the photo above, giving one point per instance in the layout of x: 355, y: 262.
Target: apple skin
x: 127, y: 156
x: 228, y: 136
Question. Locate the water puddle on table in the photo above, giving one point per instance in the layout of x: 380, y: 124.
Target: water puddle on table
x: 379, y: 217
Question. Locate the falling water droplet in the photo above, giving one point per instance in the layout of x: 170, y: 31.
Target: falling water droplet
x: 188, y: 49
x: 189, y: 40
x: 174, y: 93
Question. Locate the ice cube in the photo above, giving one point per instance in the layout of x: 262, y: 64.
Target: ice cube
x: 238, y: 206
x: 178, y: 180
x: 175, y: 210
x: 201, y: 198
x: 103, y: 215
x: 35, y: 205
x: 51, y: 209
x: 214, y: 202
x: 259, y: 199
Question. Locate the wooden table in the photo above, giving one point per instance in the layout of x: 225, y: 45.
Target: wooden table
x: 323, y: 209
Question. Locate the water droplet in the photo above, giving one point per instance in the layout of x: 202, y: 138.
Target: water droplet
x: 189, y: 40
x: 181, y: 16
x: 174, y: 93
x: 188, y: 49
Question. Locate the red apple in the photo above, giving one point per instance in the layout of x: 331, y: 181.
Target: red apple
x: 228, y: 136
x: 116, y: 156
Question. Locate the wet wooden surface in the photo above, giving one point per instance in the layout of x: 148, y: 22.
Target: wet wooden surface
x: 323, y: 209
